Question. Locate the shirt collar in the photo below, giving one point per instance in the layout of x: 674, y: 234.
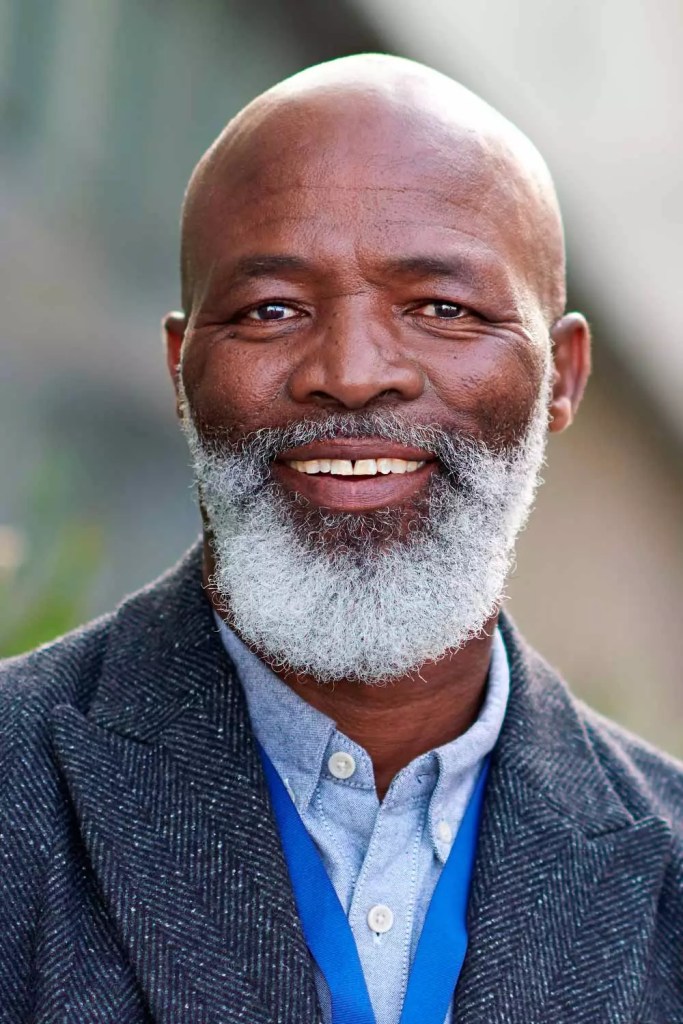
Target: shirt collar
x: 461, y: 760
x: 298, y: 738
x: 294, y: 735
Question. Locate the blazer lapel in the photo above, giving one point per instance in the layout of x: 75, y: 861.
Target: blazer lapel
x: 566, y: 882
x: 174, y: 813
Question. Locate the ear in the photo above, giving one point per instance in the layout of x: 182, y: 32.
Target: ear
x: 174, y: 325
x: 571, y: 339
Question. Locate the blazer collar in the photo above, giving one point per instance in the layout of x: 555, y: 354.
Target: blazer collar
x: 174, y: 811
x: 564, y: 897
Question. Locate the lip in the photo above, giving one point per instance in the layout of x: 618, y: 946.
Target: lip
x: 355, y: 448
x: 354, y: 494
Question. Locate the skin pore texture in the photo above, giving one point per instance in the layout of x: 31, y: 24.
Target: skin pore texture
x: 373, y: 268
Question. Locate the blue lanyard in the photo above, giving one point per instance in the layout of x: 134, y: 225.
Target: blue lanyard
x: 442, y: 945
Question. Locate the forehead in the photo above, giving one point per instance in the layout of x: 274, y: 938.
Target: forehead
x: 365, y: 191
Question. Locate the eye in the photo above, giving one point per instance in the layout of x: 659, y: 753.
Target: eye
x: 440, y: 310
x: 270, y: 311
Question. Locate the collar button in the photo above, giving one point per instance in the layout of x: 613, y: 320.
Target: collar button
x: 341, y: 765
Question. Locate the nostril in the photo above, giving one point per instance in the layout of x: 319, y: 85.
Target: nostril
x: 324, y: 398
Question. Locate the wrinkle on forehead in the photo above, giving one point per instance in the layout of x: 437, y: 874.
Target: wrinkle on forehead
x: 377, y: 127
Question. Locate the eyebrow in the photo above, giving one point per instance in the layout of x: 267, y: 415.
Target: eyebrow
x: 455, y: 267
x: 269, y: 265
x: 435, y: 266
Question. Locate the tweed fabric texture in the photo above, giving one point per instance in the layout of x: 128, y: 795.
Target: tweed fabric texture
x: 142, y: 877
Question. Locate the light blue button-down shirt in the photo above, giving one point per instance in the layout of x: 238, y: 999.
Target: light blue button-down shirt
x: 387, y: 854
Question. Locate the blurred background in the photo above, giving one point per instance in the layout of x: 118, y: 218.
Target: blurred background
x: 104, y: 109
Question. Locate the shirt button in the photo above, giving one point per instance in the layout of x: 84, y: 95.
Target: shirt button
x: 341, y: 765
x: 444, y: 832
x: 380, y: 918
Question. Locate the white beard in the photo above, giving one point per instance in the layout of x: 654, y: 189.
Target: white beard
x: 337, y: 596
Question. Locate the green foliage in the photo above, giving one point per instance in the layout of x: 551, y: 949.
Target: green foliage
x: 34, y: 611
x: 48, y: 565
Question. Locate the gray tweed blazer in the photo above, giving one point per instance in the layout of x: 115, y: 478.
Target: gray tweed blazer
x: 142, y: 878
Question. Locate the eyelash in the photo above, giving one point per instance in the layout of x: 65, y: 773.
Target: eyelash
x: 442, y: 302
x: 244, y: 314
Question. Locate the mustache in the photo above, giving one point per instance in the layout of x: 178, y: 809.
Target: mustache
x: 241, y: 463
x: 453, y: 448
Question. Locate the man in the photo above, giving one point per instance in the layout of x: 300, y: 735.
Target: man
x: 315, y: 773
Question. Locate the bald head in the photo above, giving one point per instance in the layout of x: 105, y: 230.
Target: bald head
x: 373, y: 124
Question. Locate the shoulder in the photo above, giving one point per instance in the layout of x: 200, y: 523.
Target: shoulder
x: 31, y: 685
x: 647, y: 780
x: 32, y: 797
x: 592, y: 766
x: 69, y: 670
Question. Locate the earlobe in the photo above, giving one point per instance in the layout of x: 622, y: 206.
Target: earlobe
x: 571, y: 368
x: 174, y: 325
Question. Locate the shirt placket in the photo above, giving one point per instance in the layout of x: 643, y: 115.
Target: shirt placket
x: 382, y: 909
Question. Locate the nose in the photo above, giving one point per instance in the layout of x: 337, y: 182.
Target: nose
x: 353, y: 363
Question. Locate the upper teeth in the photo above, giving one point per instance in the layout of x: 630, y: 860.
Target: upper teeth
x: 361, y: 467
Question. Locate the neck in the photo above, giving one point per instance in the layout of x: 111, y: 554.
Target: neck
x: 415, y: 713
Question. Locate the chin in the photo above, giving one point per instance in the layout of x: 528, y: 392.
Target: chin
x: 377, y: 528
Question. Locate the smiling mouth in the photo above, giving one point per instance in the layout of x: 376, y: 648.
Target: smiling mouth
x: 355, y: 475
x: 357, y: 467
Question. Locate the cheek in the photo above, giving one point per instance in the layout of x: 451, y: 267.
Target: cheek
x: 232, y: 385
x: 490, y: 387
